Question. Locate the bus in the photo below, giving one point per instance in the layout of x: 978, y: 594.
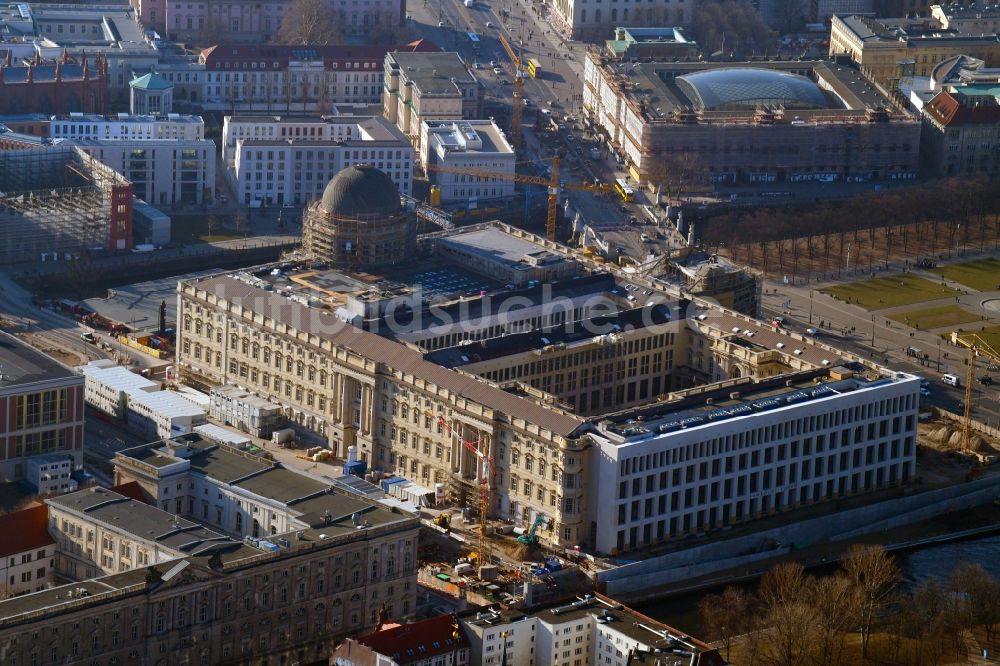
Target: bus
x: 623, y: 190
x: 534, y: 68
x: 474, y: 40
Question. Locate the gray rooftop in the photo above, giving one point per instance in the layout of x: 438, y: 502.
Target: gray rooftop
x: 432, y: 73
x: 495, y: 245
x: 22, y: 364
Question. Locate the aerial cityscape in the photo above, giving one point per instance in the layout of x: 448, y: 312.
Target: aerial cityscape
x: 499, y: 333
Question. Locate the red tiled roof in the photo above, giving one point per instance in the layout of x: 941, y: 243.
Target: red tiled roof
x: 408, y: 643
x: 949, y: 109
x: 24, y: 530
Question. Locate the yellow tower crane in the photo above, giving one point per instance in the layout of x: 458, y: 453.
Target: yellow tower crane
x: 977, y: 346
x: 552, y: 183
x: 515, y: 118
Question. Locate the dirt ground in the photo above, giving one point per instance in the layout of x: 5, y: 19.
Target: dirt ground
x: 71, y: 359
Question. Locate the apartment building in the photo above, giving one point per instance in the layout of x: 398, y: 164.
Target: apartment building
x: 961, y: 132
x: 245, y: 411
x: 428, y: 86
x: 436, y: 641
x: 127, y: 127
x: 210, y: 599
x: 887, y: 50
x: 27, y: 553
x: 41, y: 408
x: 297, y: 170
x: 237, y: 78
x: 467, y: 145
x: 592, y: 629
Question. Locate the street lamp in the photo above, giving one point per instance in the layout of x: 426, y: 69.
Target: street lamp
x: 873, y: 331
x: 810, y: 306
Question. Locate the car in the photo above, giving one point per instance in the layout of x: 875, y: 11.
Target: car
x: 526, y: 102
x: 645, y: 238
x: 224, y: 199
x: 477, y: 65
x: 498, y: 70
x: 493, y: 63
x: 925, y: 391
x: 546, y: 112
x: 812, y: 331
x: 924, y: 382
x: 489, y: 24
x: 570, y: 138
x: 440, y: 24
x: 986, y: 380
x: 504, y: 82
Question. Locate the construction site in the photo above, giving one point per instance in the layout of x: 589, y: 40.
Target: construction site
x: 678, y: 123
x: 56, y: 202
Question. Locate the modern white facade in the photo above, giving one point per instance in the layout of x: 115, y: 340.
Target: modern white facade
x: 162, y: 413
x: 297, y: 171
x: 467, y: 144
x: 51, y: 474
x: 163, y: 172
x: 107, y: 386
x: 685, y: 471
x: 284, y: 128
x: 127, y: 127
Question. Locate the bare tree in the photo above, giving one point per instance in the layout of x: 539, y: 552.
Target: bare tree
x: 309, y: 23
x: 725, y: 615
x: 875, y: 575
x: 785, y: 594
x: 836, y: 601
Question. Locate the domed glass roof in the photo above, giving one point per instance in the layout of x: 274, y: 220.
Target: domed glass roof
x: 361, y: 190
x: 733, y: 88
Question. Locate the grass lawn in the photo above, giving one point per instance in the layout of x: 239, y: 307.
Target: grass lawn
x: 939, y: 317
x: 983, y: 275
x: 204, y: 228
x: 892, y: 291
x: 991, y: 335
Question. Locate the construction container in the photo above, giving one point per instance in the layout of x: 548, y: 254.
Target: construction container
x: 463, y: 569
x: 489, y: 572
x: 356, y: 468
x: 435, y: 195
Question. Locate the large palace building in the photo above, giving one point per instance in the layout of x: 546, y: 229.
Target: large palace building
x: 619, y: 409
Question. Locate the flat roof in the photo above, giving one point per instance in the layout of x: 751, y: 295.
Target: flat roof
x: 447, y: 133
x: 496, y: 245
x: 173, y: 118
x: 137, y: 305
x: 281, y: 485
x: 849, y: 94
x: 432, y: 73
x: 168, y: 404
x: 22, y: 364
x: 117, y: 377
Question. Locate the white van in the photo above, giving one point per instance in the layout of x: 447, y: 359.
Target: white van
x: 951, y: 380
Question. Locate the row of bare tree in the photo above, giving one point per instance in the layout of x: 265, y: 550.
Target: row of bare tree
x: 863, y: 231
x: 314, y: 23
x: 795, y: 619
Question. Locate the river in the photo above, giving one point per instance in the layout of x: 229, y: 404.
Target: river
x: 681, y: 612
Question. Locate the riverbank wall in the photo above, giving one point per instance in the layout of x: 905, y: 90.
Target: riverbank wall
x: 648, y: 578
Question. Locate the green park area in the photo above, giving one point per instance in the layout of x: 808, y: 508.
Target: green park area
x: 990, y: 336
x: 890, y: 292
x: 982, y: 275
x: 938, y: 317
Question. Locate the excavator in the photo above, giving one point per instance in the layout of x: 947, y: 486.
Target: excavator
x: 531, y: 537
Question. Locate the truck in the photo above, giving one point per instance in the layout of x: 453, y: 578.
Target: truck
x: 470, y: 3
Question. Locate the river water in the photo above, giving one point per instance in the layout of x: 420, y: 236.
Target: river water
x: 681, y: 612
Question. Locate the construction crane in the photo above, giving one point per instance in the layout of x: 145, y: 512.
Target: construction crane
x: 977, y: 346
x: 515, y: 117
x: 487, y: 471
x: 552, y: 183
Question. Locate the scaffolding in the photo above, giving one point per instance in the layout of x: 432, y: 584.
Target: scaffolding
x: 358, y: 241
x: 57, y: 201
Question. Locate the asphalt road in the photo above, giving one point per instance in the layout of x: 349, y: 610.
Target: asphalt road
x: 854, y: 329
